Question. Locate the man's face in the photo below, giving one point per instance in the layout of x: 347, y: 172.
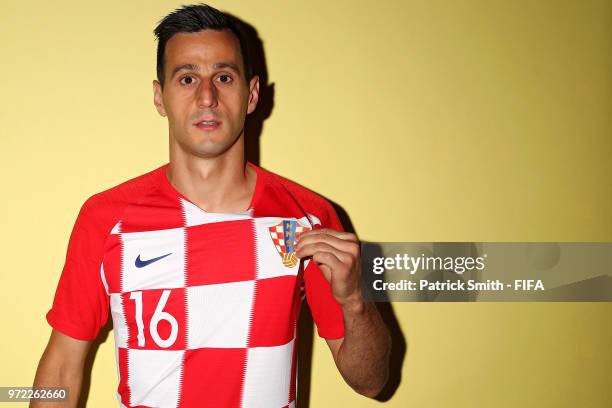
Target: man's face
x: 205, y: 95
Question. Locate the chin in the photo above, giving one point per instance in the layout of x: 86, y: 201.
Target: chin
x: 206, y: 144
x: 209, y: 150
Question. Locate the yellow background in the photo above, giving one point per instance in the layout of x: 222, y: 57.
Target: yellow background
x: 426, y: 120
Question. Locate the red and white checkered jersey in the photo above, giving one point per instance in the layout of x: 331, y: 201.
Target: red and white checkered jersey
x: 204, y: 305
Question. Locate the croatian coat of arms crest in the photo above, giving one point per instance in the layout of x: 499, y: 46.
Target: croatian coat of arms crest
x: 284, y: 235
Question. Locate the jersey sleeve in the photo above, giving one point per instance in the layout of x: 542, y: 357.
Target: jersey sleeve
x: 80, y: 306
x: 326, y: 311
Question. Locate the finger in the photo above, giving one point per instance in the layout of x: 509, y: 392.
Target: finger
x: 349, y: 236
x: 338, y: 243
x: 328, y: 260
x: 312, y: 249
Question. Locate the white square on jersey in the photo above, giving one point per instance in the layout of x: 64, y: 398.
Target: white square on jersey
x: 153, y: 259
x: 120, y: 329
x: 268, y: 376
x: 158, y: 377
x: 218, y: 315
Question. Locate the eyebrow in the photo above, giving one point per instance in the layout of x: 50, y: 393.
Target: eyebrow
x: 196, y: 68
x: 185, y: 67
x: 221, y: 65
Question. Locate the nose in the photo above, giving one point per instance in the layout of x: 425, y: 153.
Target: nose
x: 207, y: 94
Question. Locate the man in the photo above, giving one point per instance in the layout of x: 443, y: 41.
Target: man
x: 203, y: 262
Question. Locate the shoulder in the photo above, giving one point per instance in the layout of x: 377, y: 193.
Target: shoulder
x: 310, y: 201
x: 106, y: 205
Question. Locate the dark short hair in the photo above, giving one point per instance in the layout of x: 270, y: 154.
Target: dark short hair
x: 194, y: 18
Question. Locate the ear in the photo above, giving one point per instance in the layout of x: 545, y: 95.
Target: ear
x: 158, y: 99
x: 253, y: 93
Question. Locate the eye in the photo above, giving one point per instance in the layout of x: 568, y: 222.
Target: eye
x: 224, y: 78
x: 187, y: 80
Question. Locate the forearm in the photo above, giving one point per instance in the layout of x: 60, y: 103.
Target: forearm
x: 52, y: 372
x: 363, y: 357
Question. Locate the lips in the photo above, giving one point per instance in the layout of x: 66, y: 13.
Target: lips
x: 207, y: 124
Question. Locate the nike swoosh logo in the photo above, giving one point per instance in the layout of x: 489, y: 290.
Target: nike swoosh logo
x: 140, y: 263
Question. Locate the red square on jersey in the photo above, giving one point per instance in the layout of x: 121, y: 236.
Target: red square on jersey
x: 210, y: 376
x: 276, y: 301
x: 155, y: 319
x: 220, y: 252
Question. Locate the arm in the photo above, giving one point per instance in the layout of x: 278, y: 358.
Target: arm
x: 61, y: 365
x: 362, y: 355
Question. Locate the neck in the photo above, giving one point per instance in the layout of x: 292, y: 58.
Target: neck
x: 223, y: 184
